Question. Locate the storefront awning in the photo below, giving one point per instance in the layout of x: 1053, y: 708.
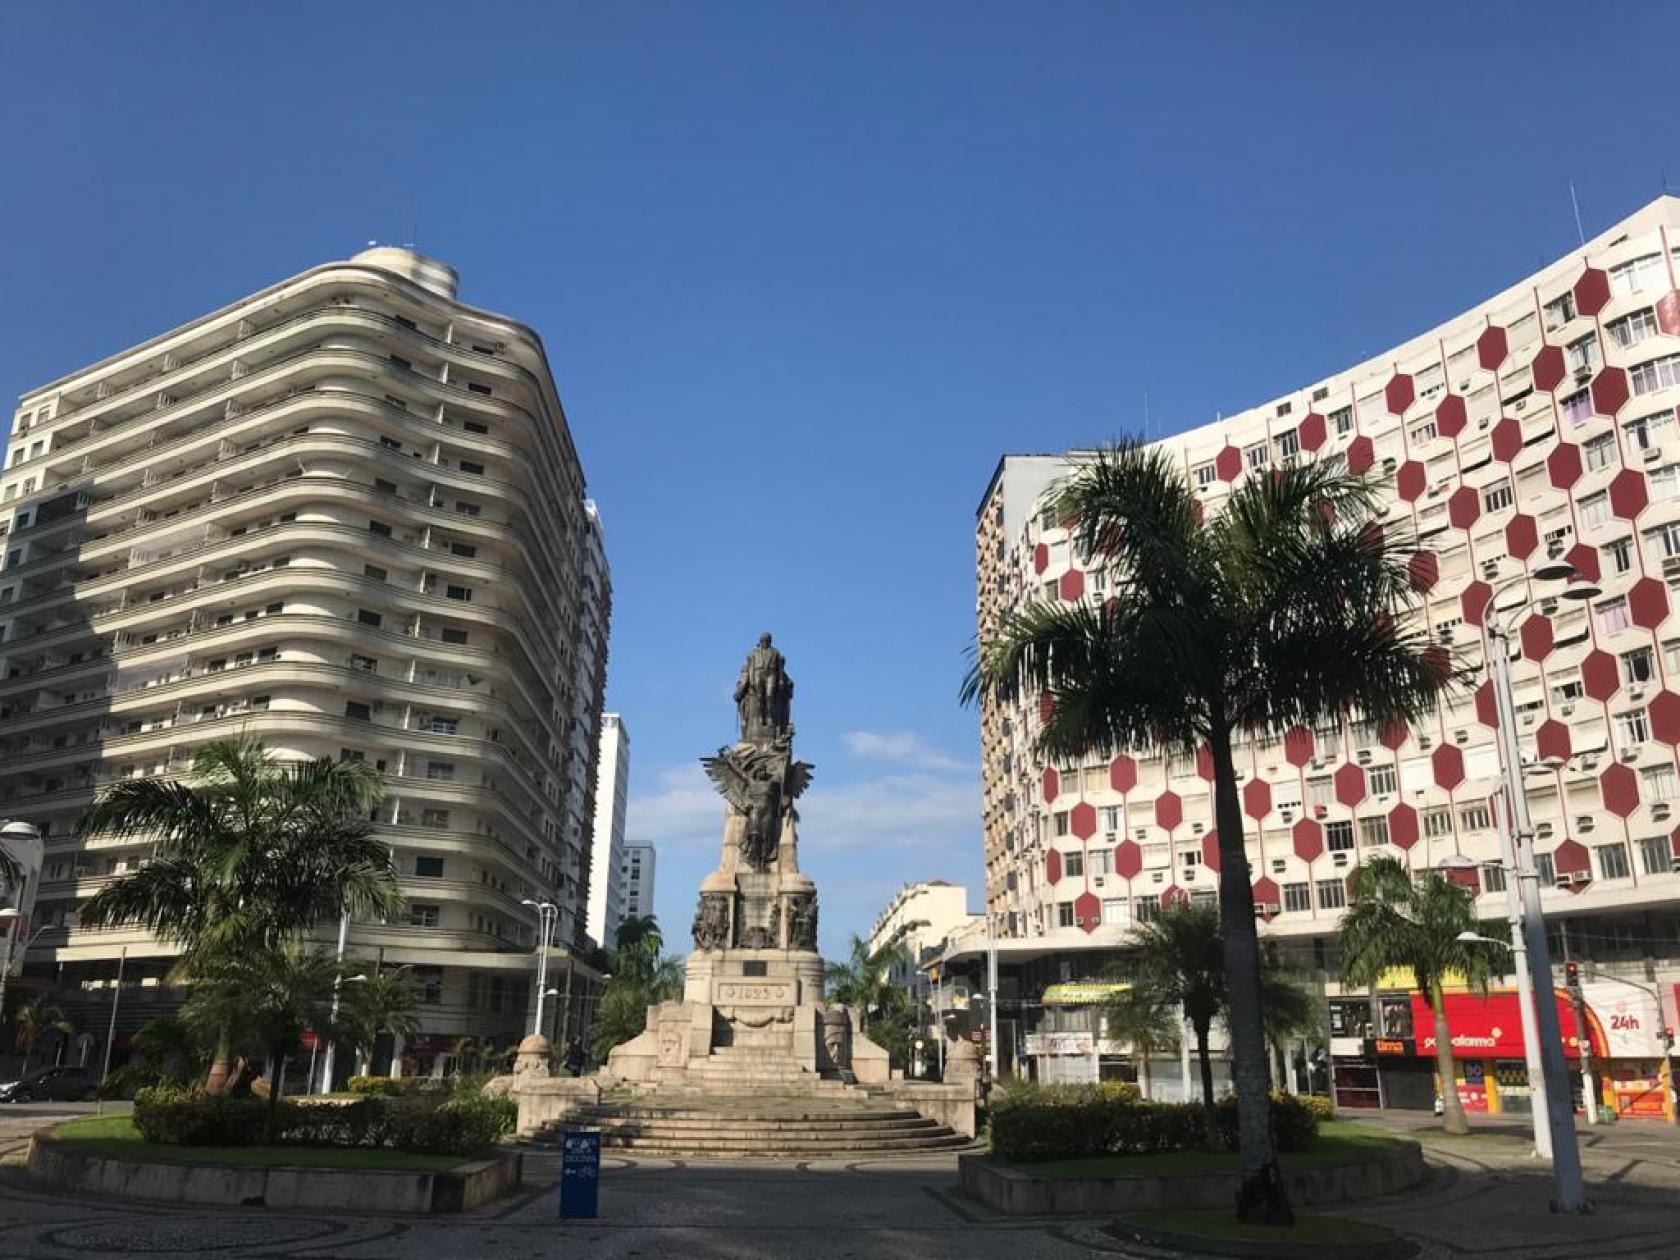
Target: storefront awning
x: 1083, y: 992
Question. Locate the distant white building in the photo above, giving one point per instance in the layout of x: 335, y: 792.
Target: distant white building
x: 926, y: 913
x: 636, y: 870
x: 606, y: 852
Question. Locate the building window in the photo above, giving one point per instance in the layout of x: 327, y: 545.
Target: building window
x: 1630, y: 330
x: 375, y: 572
x: 1297, y: 897
x: 432, y: 817
x: 1288, y: 444
x: 1382, y: 780
x: 1640, y: 429
x: 1332, y: 894
x: 445, y: 725
x: 1640, y: 273
x: 1613, y: 615
x: 1146, y: 909
x: 1320, y: 790
x: 1636, y: 666
x: 1559, y: 312
x: 366, y: 664
x: 422, y: 916
x: 1656, y: 855
x: 465, y: 550
x: 1342, y: 418
x: 1116, y: 912
x: 1633, y: 727
x: 449, y: 635
x: 1059, y: 822
x: 1595, y: 509
x: 1600, y: 450
x: 1204, y: 474
x: 1497, y: 497
x: 1073, y: 863
x: 464, y: 508
x: 380, y: 528
x: 1111, y: 818
x: 1064, y: 914
x: 368, y: 617
x: 476, y: 470
x: 1621, y: 554
x: 1665, y: 482
x: 1256, y: 456
x: 462, y: 593
x: 429, y: 867
x: 357, y: 710
x: 443, y: 771
x: 1437, y: 823
x: 1493, y: 878
x: 1665, y: 539
x: 1582, y: 353
x: 1338, y: 836
x: 1474, y: 817
x: 1577, y: 407
x: 1372, y: 832
x: 1613, y: 861
x: 1546, y: 867
x: 1655, y: 375
x: 1658, y: 784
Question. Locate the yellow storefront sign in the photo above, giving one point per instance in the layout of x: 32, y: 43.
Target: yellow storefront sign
x: 1083, y: 992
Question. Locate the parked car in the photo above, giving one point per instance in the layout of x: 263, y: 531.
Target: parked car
x: 55, y: 1084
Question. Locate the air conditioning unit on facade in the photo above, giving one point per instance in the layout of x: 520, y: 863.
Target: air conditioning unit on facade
x: 1338, y: 859
x: 1267, y: 908
x: 1425, y: 742
x: 1636, y: 693
x: 1586, y: 822
x: 1321, y: 811
x: 1651, y: 454
x: 1574, y: 878
x: 1566, y: 710
x: 1583, y: 374
x: 1630, y: 754
x: 1363, y: 757
x: 1542, y: 830
x: 1528, y: 719
x: 1659, y: 811
x: 1461, y: 737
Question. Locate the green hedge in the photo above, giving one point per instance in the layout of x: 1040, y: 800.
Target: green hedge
x: 395, y: 1086
x: 1074, y: 1122
x: 437, y: 1125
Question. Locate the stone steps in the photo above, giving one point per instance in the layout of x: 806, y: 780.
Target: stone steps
x: 755, y: 1126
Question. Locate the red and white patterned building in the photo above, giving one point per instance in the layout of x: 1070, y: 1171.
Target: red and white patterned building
x: 1541, y: 422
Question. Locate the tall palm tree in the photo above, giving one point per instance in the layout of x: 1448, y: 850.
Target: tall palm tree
x: 35, y: 1019
x: 270, y: 998
x: 249, y: 853
x: 864, y: 980
x: 639, y: 934
x: 1280, y: 610
x: 1396, y: 919
x: 1179, y: 959
x: 385, y: 1002
x: 1146, y: 1019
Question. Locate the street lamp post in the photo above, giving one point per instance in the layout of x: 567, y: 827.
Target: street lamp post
x: 332, y: 1039
x: 1560, y: 1115
x: 12, y: 916
x: 547, y: 913
x: 1525, y: 981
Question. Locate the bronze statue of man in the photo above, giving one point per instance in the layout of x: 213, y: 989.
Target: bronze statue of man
x: 764, y: 695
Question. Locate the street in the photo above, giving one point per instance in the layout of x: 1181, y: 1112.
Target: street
x: 1484, y: 1198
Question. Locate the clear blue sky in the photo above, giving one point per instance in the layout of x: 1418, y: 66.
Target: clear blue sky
x: 805, y: 271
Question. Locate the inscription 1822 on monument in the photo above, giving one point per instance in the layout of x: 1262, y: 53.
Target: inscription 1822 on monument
x: 754, y: 993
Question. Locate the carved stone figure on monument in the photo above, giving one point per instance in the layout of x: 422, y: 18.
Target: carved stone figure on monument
x: 802, y: 921
x: 711, y: 921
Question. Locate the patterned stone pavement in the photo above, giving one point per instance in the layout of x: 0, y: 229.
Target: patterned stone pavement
x: 1484, y: 1199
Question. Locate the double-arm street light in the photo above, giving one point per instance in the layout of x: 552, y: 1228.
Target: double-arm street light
x: 547, y: 913
x: 1496, y: 649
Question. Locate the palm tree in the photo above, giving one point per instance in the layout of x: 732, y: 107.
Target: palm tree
x: 250, y: 852
x: 35, y: 1019
x: 272, y: 997
x: 385, y: 1002
x: 1179, y: 959
x: 1148, y: 1021
x: 638, y: 980
x: 864, y: 981
x: 1281, y: 610
x: 1290, y: 1009
x: 1396, y: 919
x: 639, y: 935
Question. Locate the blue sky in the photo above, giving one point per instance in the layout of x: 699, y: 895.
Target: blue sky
x: 805, y: 270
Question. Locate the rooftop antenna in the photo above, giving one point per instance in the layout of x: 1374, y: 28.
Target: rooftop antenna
x: 1575, y: 201
x: 414, y: 236
x: 1148, y: 427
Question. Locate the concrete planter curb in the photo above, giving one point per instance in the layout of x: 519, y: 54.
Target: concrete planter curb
x: 1201, y: 1245
x: 1018, y: 1191
x: 471, y: 1184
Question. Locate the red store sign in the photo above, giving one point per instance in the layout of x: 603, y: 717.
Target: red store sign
x: 1491, y: 1027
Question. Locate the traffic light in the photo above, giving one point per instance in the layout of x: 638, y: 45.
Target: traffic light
x: 1572, y: 974
x: 1668, y: 1038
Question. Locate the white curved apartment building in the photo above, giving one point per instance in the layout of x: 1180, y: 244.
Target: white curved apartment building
x: 343, y: 515
x: 1542, y: 421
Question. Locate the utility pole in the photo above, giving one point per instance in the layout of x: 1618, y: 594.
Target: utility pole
x: 1583, y: 1039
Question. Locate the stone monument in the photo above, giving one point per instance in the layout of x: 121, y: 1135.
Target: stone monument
x: 752, y: 1008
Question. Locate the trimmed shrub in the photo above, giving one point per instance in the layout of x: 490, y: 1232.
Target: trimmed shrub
x: 392, y: 1086
x: 1071, y: 1122
x: 434, y: 1124
x: 1323, y: 1108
